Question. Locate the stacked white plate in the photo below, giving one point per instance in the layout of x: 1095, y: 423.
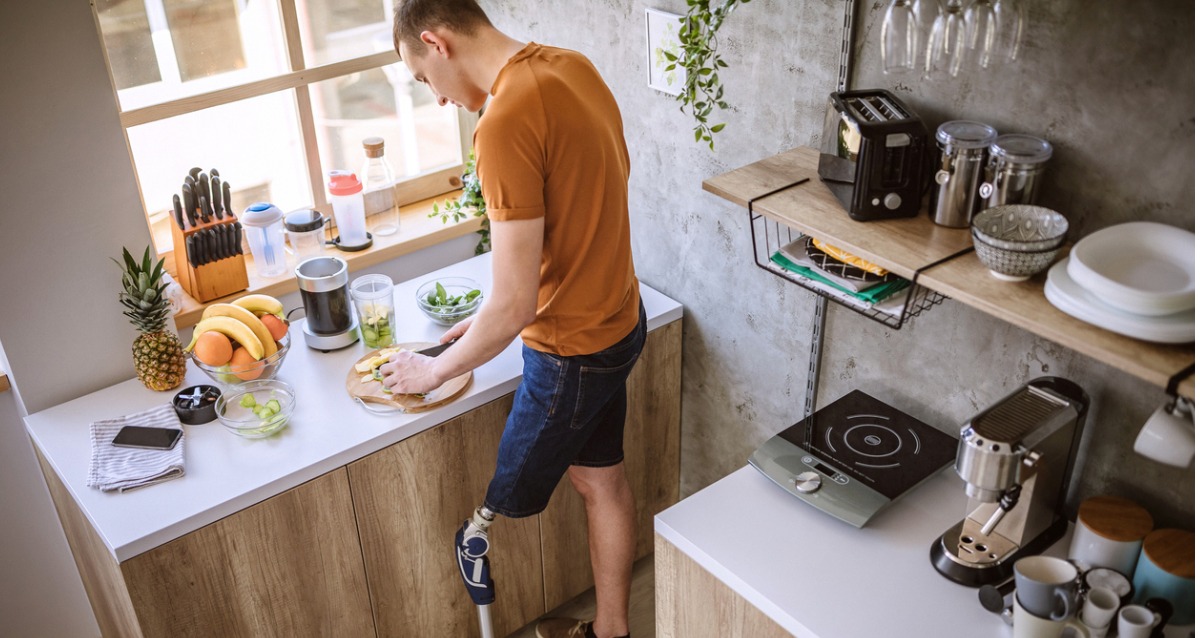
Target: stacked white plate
x: 1137, y: 279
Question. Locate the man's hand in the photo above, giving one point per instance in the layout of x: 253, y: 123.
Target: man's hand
x: 409, y: 373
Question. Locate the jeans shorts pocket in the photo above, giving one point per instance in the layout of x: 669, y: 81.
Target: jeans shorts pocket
x: 598, y: 386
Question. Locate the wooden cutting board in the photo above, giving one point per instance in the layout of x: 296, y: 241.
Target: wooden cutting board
x: 372, y: 391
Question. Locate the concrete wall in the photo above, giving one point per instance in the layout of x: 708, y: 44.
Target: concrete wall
x: 1112, y: 87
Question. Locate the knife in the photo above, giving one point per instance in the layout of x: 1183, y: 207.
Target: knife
x: 226, y: 242
x: 237, y: 236
x: 178, y: 206
x: 204, y: 210
x: 216, y: 197
x: 195, y: 170
x: 225, y: 194
x: 434, y: 351
x: 189, y: 205
x: 190, y: 244
x: 212, y: 245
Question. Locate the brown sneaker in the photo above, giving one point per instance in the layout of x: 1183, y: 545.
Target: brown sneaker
x: 564, y: 628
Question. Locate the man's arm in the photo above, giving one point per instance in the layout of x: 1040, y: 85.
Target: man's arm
x: 511, y: 305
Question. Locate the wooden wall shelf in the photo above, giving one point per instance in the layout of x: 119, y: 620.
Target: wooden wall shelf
x: 940, y: 259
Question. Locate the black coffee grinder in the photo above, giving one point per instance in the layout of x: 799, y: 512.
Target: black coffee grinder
x: 329, y: 322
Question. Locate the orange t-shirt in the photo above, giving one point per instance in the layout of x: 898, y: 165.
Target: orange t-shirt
x: 551, y: 144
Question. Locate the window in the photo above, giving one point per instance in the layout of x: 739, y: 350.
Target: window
x: 273, y: 94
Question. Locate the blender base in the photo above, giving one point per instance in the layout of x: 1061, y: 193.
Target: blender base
x: 328, y: 342
x: 337, y: 243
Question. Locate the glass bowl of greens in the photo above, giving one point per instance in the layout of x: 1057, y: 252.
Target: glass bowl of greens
x: 256, y: 409
x: 449, y: 300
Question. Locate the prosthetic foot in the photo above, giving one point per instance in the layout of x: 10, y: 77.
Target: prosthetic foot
x: 471, y: 548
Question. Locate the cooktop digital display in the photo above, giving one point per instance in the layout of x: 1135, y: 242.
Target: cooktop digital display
x: 873, y: 443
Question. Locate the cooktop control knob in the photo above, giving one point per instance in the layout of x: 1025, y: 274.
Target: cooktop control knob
x: 892, y: 201
x: 808, y: 482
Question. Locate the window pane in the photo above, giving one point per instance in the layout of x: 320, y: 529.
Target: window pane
x: 255, y: 144
x: 336, y: 30
x: 163, y: 50
x: 418, y: 134
x: 126, y: 31
x: 206, y: 37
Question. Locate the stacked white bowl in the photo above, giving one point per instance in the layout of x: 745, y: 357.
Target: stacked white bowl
x: 1136, y: 279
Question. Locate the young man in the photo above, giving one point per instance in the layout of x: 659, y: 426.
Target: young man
x: 554, y: 170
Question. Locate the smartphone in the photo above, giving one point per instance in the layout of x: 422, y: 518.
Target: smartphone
x: 148, y: 438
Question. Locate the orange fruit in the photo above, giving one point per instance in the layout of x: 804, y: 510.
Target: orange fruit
x: 276, y: 326
x: 213, y: 349
x: 244, y: 366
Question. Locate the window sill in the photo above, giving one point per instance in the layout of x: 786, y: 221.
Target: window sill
x: 417, y: 230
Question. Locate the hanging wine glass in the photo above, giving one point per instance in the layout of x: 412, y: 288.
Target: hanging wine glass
x: 898, y: 38
x: 950, y: 44
x: 994, y: 30
x: 927, y: 13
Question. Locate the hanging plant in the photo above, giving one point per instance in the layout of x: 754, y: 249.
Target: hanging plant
x: 702, y: 90
x: 469, y: 203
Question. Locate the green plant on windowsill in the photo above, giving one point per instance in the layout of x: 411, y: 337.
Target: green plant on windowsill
x: 469, y: 203
x: 698, y: 44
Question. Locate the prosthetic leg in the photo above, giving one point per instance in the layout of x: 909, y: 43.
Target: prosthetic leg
x: 471, y: 548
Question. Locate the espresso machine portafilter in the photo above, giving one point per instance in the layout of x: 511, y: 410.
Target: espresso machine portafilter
x: 1016, y: 458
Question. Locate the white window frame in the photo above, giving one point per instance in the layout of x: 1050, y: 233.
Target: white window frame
x: 297, y: 79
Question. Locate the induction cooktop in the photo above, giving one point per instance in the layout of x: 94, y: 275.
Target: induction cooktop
x: 854, y: 457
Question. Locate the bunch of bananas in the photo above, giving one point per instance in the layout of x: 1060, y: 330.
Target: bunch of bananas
x: 254, y: 322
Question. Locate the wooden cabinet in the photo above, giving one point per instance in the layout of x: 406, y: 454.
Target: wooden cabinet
x: 689, y: 601
x: 288, y: 566
x: 410, y: 499
x: 366, y: 550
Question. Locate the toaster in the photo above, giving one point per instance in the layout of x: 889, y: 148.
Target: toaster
x: 875, y: 155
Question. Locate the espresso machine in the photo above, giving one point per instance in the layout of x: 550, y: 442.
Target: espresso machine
x: 1016, y: 458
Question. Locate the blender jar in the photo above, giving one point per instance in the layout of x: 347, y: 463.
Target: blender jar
x: 263, y: 223
x: 1014, y: 170
x: 964, y: 147
x: 305, y: 232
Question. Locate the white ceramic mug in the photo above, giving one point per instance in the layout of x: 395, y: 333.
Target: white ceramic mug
x: 1135, y: 621
x: 1099, y: 607
x: 1047, y: 586
x: 1167, y: 438
x: 1029, y: 625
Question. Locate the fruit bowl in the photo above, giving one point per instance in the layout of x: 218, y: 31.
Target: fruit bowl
x: 257, y: 409
x: 449, y: 300
x: 235, y: 374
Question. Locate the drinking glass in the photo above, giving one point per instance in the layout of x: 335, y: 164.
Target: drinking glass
x: 949, y: 45
x: 994, y: 29
x: 376, y: 309
x: 899, y: 36
x: 927, y: 13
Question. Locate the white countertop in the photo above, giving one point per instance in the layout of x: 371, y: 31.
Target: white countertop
x: 818, y: 577
x: 225, y: 473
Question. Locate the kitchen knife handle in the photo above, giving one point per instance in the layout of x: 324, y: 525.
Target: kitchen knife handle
x: 177, y: 206
x: 204, y: 216
x: 226, y: 195
x: 216, y: 197
x: 237, y: 237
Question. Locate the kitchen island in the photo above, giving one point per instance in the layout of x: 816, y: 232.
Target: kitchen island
x: 341, y: 524
x: 742, y: 557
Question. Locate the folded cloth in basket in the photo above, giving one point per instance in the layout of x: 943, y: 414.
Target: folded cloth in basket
x: 872, y: 294
x: 122, y: 468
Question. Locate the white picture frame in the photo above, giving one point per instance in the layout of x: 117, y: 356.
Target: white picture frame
x: 662, y: 35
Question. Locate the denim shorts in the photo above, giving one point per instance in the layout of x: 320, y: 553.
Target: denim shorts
x: 567, y: 411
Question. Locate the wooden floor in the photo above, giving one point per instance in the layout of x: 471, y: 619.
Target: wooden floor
x: 641, y: 605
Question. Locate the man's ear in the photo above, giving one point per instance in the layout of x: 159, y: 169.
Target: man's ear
x: 435, y: 42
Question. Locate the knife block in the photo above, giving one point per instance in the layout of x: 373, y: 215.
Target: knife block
x: 214, y: 279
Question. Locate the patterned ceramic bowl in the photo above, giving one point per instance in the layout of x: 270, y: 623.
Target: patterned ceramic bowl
x: 1014, y: 265
x: 1020, y: 227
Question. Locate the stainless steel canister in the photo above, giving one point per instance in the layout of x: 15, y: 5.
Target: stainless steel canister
x: 964, y: 146
x: 1014, y: 169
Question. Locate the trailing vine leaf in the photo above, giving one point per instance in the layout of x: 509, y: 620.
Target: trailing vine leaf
x: 702, y: 90
x: 469, y: 202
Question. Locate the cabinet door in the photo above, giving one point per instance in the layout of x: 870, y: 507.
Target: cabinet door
x: 410, y: 500
x: 651, y: 463
x: 288, y: 566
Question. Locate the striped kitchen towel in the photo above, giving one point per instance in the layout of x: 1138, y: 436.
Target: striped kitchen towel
x: 123, y: 468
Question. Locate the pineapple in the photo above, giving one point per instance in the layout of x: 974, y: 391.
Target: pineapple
x: 157, y: 353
